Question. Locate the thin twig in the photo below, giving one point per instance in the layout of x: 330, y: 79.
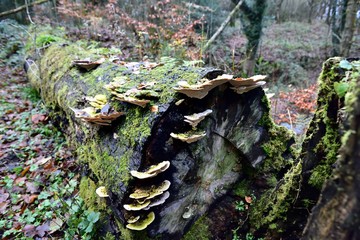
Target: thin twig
x: 291, y: 125
x: 27, y: 12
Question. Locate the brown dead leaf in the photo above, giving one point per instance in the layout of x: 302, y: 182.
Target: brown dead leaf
x: 24, y: 171
x: 248, y: 199
x: 37, y: 118
x: 30, y: 198
x: 4, y: 197
x: 42, y: 229
x: 55, y: 225
x: 31, y: 187
x: 3, y: 206
x: 29, y: 230
x: 19, y: 180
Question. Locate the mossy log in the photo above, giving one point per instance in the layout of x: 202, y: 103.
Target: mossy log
x: 336, y: 215
x: 241, y: 151
x: 283, y: 212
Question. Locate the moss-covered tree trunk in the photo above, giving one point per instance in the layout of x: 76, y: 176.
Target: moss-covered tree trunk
x: 283, y: 211
x: 242, y: 152
x: 336, y: 215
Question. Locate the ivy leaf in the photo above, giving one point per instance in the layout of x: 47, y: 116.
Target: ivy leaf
x: 93, y: 217
x: 345, y: 65
x: 341, y: 88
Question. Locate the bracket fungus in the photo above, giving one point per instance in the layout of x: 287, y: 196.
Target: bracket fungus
x: 196, y: 118
x: 188, y: 137
x: 142, y: 223
x: 100, y: 112
x: 137, y: 206
x: 148, y: 193
x: 244, y: 89
x: 201, y: 89
x: 98, y: 101
x: 239, y: 82
x: 88, y: 64
x: 90, y: 115
x: 152, y: 171
x: 243, y: 85
x: 101, y: 192
x: 138, y: 95
x: 159, y: 200
x: 133, y: 219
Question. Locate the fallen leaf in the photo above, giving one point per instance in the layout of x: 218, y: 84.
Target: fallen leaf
x: 248, y: 199
x: 23, y: 172
x: 30, y: 198
x: 55, y: 225
x: 4, y: 197
x: 31, y: 187
x: 29, y: 230
x: 42, y: 161
x: 3, y: 206
x: 42, y: 229
x: 37, y: 118
x: 19, y: 180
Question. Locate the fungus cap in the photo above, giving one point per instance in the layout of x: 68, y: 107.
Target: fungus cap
x: 152, y: 171
x: 244, y: 89
x: 158, y: 201
x: 239, y: 82
x: 136, y: 206
x: 196, y: 118
x: 188, y: 137
x: 142, y: 223
x: 101, y: 192
x: 133, y: 219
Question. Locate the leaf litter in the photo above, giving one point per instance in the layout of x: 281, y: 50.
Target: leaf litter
x: 37, y: 179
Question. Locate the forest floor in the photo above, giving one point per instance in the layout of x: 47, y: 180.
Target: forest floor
x: 38, y: 174
x: 38, y: 179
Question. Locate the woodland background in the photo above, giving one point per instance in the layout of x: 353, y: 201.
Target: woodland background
x: 288, y: 40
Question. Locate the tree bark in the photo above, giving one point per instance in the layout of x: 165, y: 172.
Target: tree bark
x: 349, y: 28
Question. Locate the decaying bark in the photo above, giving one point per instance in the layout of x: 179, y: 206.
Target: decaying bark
x: 202, y: 173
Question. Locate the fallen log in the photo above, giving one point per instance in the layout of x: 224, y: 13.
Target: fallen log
x: 167, y: 143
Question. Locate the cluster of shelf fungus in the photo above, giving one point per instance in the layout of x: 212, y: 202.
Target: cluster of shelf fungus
x: 141, y: 201
x: 101, y: 112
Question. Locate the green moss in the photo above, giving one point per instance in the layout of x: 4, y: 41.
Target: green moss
x: 108, y: 169
x: 278, y: 143
x: 275, y: 148
x: 242, y: 188
x: 274, y: 203
x: 109, y: 236
x: 329, y: 144
x: 199, y: 230
x: 136, y: 127
x: 87, y: 190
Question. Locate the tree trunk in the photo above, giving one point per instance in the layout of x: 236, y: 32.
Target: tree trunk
x: 349, y: 28
x: 278, y: 11
x: 251, y: 18
x: 336, y: 215
x: 203, y: 174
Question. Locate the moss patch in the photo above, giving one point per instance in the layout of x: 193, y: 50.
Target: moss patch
x: 87, y: 193
x: 274, y: 204
x: 199, y: 230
